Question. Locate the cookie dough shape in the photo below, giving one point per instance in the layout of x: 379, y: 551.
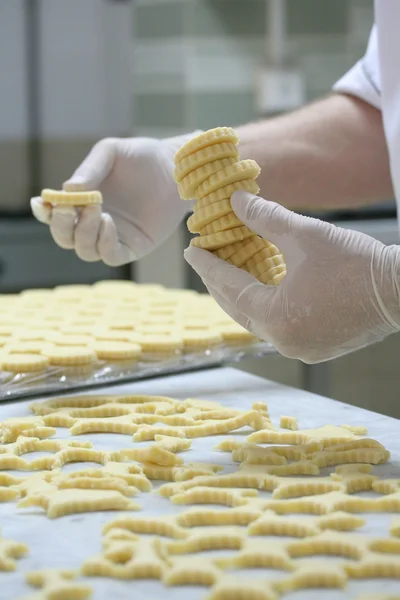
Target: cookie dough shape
x: 152, y: 454
x: 56, y: 583
x: 313, y: 574
x: 189, y: 570
x: 131, y: 474
x: 69, y: 501
x: 235, y: 587
x: 23, y: 363
x: 64, y: 451
x: 287, y: 422
x: 172, y: 444
x: 9, y: 551
x: 78, y: 198
x: 166, y: 526
x: 395, y: 527
x: 212, y: 495
x: 241, y: 515
x: 128, y: 560
x: 12, y: 428
x: 328, y: 435
x: 208, y: 538
x: 258, y: 553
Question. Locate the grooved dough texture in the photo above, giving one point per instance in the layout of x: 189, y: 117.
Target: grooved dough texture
x: 56, y: 584
x: 209, y: 171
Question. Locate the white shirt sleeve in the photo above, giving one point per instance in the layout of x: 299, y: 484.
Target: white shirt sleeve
x: 363, y: 80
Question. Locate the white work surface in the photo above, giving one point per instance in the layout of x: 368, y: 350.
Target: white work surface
x: 66, y: 542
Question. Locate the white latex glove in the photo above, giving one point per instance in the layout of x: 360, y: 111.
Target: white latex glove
x: 141, y: 205
x: 341, y: 291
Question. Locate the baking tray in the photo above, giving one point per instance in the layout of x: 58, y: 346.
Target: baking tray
x: 61, y: 379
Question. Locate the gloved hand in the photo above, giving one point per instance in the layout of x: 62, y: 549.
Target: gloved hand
x: 341, y: 291
x: 141, y: 205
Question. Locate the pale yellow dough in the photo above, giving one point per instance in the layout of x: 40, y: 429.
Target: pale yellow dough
x: 9, y: 551
x: 69, y: 501
x: 56, y: 584
x: 128, y: 560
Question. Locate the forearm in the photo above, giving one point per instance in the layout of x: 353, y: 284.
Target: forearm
x: 329, y: 154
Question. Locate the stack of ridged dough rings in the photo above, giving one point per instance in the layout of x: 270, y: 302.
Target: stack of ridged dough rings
x: 208, y: 169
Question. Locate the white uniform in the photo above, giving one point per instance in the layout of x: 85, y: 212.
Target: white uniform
x: 376, y: 79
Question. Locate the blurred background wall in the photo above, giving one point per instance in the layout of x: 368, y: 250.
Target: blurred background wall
x: 75, y: 71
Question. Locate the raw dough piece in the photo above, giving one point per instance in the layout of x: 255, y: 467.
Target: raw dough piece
x: 161, y: 526
x: 228, y: 445
x: 148, y: 433
x: 37, y: 483
x: 250, y: 477
x: 257, y: 552
x: 253, y: 454
x: 130, y: 473
x: 395, y: 527
x: 223, y: 537
x: 128, y: 560
x: 328, y: 435
x: 189, y: 570
x: 347, y: 545
x: 238, y: 515
x: 7, y: 494
x: 372, y: 456
x: 386, y: 486
x: 56, y: 584
x: 8, y: 552
x: 293, y: 487
x: 356, y: 429
x: 95, y: 483
x: 151, y: 454
x: 63, y: 450
x: 54, y: 404
x: 374, y: 565
x: 120, y: 535
x: 65, y: 502
x: 355, y: 480
x: 212, y: 495
x: 315, y: 505
x: 173, y: 444
x: 12, y: 428
x: 24, y: 363
x: 180, y: 473
x: 271, y: 524
x: 235, y: 587
x: 313, y: 574
x: 287, y: 422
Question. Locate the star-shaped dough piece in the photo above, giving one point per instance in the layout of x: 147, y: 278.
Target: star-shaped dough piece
x: 9, y: 551
x: 56, y: 583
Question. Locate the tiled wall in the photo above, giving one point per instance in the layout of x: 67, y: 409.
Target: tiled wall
x: 195, y: 60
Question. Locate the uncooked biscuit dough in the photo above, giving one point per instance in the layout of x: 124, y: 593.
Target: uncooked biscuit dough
x: 128, y: 560
x: 56, y: 583
x: 69, y: 501
x: 328, y: 435
x: 167, y: 526
x: 287, y: 422
x: 12, y: 428
x: 189, y: 570
x: 9, y: 551
x: 256, y: 553
x: 63, y: 451
x: 313, y: 574
x: 235, y: 587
